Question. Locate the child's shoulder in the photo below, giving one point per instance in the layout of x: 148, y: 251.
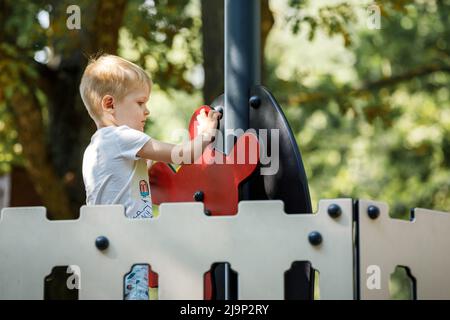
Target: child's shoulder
x: 122, y: 137
x: 114, y: 129
x: 110, y: 131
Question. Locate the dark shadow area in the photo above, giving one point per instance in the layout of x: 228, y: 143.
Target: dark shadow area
x: 220, y: 282
x: 62, y: 284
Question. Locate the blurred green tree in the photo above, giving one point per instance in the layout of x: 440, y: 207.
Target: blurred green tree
x: 43, y: 124
x: 382, y: 132
x: 43, y: 120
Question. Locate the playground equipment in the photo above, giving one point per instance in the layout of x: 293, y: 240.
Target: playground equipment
x: 260, y: 243
x: 248, y: 236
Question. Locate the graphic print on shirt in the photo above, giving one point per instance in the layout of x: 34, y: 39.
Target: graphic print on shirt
x: 141, y: 192
x: 145, y: 212
x: 144, y: 189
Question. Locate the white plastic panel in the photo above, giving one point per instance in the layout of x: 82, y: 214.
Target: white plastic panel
x: 260, y: 243
x: 422, y: 245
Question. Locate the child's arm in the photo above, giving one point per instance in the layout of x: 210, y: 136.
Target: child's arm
x: 162, y: 151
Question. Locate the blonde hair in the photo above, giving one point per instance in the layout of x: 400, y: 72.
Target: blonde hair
x: 109, y: 74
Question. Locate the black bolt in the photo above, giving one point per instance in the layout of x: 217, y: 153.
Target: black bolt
x: 199, y: 196
x: 219, y: 109
x: 315, y: 238
x: 208, y: 212
x: 373, y: 212
x: 102, y: 243
x: 255, y: 101
x: 334, y: 210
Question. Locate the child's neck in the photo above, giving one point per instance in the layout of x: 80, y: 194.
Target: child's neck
x: 105, y: 122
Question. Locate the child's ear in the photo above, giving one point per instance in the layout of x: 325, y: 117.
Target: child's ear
x: 108, y: 103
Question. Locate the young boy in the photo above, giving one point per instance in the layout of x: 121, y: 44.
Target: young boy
x: 115, y: 93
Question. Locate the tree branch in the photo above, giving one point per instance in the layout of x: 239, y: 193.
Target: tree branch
x: 303, y: 98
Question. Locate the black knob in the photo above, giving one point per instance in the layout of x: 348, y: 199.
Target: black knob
x: 334, y: 210
x: 315, y: 238
x: 373, y: 212
x: 102, y: 243
x: 219, y: 109
x: 199, y: 196
x: 255, y: 101
x: 208, y: 212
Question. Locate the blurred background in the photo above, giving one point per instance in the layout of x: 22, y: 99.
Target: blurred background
x: 369, y: 103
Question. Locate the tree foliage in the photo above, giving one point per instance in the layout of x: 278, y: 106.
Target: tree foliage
x: 381, y: 132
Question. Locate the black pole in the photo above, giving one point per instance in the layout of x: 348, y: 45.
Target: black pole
x: 242, y: 71
x: 242, y: 62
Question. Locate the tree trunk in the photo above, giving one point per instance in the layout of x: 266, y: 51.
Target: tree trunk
x: 213, y: 48
x: 53, y: 156
x: 71, y: 127
x: 107, y: 24
x: 31, y: 135
x: 267, y: 22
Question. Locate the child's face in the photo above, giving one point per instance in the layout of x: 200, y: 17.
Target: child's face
x: 132, y: 109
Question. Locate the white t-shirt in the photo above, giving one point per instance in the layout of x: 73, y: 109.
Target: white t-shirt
x: 113, y: 174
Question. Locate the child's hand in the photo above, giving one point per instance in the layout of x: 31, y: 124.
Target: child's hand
x: 207, y: 124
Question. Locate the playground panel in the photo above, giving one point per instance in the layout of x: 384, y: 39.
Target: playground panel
x: 288, y: 184
x: 261, y: 242
x: 422, y: 245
